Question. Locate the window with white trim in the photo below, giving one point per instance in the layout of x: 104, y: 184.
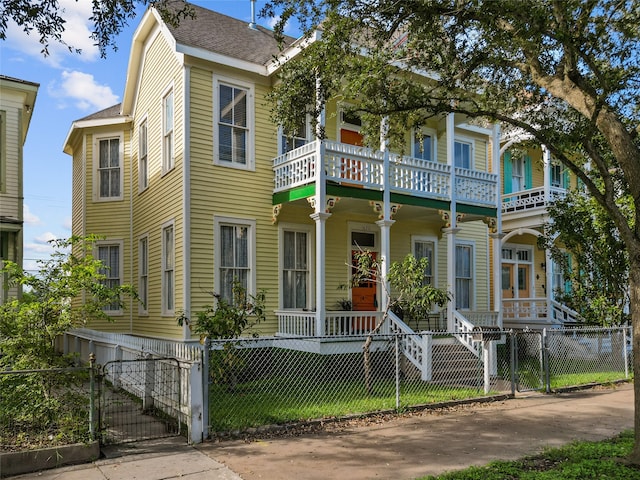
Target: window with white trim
x: 292, y: 140
x: 557, y: 174
x: 110, y: 254
x: 426, y: 249
x: 167, y: 132
x: 168, y: 269
x: 143, y: 162
x: 235, y: 255
x: 423, y: 146
x: 233, y: 113
x: 295, y: 269
x: 464, y: 276
x: 517, y: 173
x: 109, y: 168
x: 143, y: 274
x: 463, y: 154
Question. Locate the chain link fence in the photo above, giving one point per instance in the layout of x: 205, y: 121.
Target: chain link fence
x: 274, y: 381
x: 45, y: 408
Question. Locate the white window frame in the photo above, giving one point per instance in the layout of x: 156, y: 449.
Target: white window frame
x: 308, y: 229
x: 168, y: 268
x: 143, y: 274
x: 556, y: 167
x: 306, y: 139
x: 465, y: 141
x: 218, y: 222
x: 515, y: 248
x: 143, y: 155
x: 96, y: 165
x: 113, y: 243
x: 517, y: 173
x: 472, y: 293
x: 434, y: 264
x: 427, y: 132
x: 168, y: 134
x: 250, y: 128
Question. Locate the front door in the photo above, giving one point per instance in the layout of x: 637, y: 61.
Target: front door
x: 351, y: 168
x: 364, y: 299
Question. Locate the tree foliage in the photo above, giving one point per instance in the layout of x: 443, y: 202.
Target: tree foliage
x: 46, y: 18
x: 585, y: 243
x: 29, y: 326
x: 564, y: 72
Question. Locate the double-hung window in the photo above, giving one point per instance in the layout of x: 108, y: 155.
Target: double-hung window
x: 462, y: 153
x: 295, y: 269
x: 234, y: 255
x: 425, y: 249
x: 168, y: 269
x: 143, y: 273
x: 167, y: 132
x: 423, y: 146
x: 233, y: 113
x: 110, y: 254
x: 292, y: 140
x: 464, y: 276
x: 109, y: 168
x: 143, y: 163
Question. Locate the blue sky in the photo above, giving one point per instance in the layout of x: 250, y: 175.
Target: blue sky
x: 71, y: 87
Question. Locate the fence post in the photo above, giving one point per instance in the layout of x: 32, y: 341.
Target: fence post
x: 205, y: 388
x: 625, y: 354
x: 92, y: 394
x: 486, y: 358
x: 513, y: 366
x: 545, y: 361
x: 197, y: 420
x: 427, y: 356
x: 149, y: 382
x: 397, y: 341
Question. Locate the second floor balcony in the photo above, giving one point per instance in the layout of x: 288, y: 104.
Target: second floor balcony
x: 529, y: 206
x: 362, y: 167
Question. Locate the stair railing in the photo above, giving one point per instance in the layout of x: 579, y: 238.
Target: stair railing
x: 462, y: 329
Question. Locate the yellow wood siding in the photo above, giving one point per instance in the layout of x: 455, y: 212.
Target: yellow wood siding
x: 10, y: 188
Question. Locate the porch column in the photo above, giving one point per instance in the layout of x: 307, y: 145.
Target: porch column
x: 548, y: 271
x: 496, y: 241
x: 385, y: 221
x: 546, y: 172
x: 321, y: 310
x: 452, y: 228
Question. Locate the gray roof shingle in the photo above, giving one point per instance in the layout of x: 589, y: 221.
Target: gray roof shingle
x: 229, y: 36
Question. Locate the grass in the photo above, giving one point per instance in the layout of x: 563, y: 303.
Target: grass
x: 257, y: 403
x: 571, y: 379
x: 576, y: 461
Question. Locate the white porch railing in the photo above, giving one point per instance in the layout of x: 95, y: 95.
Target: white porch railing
x: 413, y: 346
x: 360, y: 166
x: 463, y: 329
x: 483, y: 319
x: 533, y: 198
x: 338, y: 323
x: 563, y: 315
x: 524, y: 309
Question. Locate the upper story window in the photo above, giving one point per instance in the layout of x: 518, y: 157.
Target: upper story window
x: 292, y: 140
x: 143, y: 274
x: 167, y: 132
x: 462, y: 154
x: 559, y: 175
x: 423, y: 146
x: 143, y: 163
x: 464, y: 276
x: 109, y: 168
x: 517, y: 174
x: 234, y: 121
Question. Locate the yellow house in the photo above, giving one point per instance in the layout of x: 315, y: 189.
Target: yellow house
x: 192, y: 186
x: 530, y: 279
x: 17, y: 99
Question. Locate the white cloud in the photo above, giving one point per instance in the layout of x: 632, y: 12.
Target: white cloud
x: 77, y: 34
x: 30, y: 218
x: 67, y: 224
x: 83, y: 90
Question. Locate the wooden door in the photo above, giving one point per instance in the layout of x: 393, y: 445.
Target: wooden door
x: 351, y: 169
x: 364, y: 299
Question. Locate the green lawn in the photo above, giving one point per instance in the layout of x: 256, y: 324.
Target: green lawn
x: 252, y: 404
x: 577, y: 461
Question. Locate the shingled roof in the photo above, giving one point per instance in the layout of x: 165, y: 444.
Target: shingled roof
x: 109, y: 112
x: 228, y: 36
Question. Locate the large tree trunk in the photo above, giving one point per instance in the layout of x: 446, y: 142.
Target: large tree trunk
x: 634, y: 287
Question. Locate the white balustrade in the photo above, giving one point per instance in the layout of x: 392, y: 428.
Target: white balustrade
x: 533, y: 198
x: 476, y: 187
x: 463, y: 330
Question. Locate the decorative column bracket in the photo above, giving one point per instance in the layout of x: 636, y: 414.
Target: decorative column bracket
x: 275, y: 212
x: 330, y: 203
x: 378, y: 208
x: 492, y: 223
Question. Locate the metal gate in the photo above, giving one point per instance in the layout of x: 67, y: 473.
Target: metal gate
x: 139, y: 399
x: 528, y: 362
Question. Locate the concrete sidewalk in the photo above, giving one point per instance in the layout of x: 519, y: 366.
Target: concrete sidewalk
x: 406, y: 447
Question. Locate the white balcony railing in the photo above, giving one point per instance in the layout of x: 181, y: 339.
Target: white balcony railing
x: 534, y: 198
x: 339, y: 323
x: 364, y: 167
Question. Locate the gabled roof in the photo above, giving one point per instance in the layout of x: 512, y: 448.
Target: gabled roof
x: 109, y: 112
x: 108, y: 116
x: 224, y: 35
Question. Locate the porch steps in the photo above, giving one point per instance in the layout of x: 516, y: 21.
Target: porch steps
x: 454, y: 365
